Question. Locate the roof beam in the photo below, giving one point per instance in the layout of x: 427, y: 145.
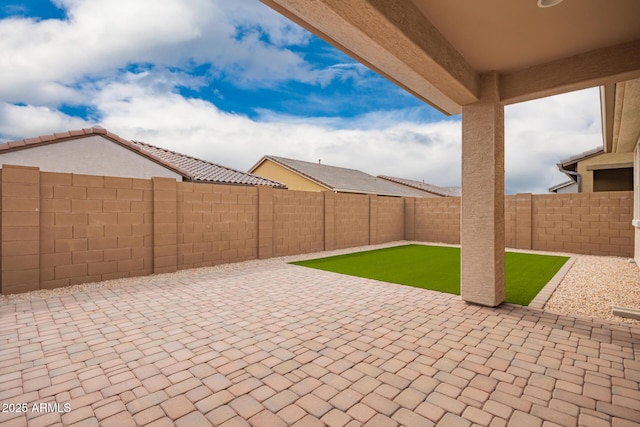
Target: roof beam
x: 607, y: 108
x: 595, y: 68
x: 394, y: 39
x: 626, y: 127
x: 618, y: 107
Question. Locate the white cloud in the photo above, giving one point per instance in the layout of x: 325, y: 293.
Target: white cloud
x: 196, y: 127
x: 538, y: 134
x: 251, y: 14
x: 82, y: 61
x: 543, y: 132
x: 18, y: 122
x: 100, y: 37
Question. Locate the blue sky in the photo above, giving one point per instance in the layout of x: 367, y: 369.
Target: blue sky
x: 231, y: 81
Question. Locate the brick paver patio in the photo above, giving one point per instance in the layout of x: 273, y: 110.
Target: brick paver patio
x: 275, y: 345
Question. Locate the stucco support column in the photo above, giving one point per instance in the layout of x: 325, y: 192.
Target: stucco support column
x: 482, y: 214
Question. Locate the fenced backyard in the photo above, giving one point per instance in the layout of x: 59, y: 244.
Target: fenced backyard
x: 62, y: 229
x: 269, y: 343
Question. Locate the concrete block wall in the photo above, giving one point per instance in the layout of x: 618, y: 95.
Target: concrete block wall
x: 330, y: 239
x: 93, y: 228
x: 61, y: 229
x: 216, y: 224
x: 389, y: 225
x: 298, y: 222
x: 510, y: 213
x: 19, y: 229
x: 265, y: 222
x: 165, y: 226
x: 437, y: 220
x: 523, y: 221
x: 410, y: 218
x: 351, y: 220
x: 587, y: 223
x: 518, y: 216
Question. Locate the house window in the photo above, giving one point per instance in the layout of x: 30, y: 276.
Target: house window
x: 613, y: 179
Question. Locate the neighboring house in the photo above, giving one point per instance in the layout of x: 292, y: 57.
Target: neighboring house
x: 308, y: 176
x: 611, y: 167
x: 96, y: 151
x: 421, y: 185
x: 596, y: 170
x: 567, y: 187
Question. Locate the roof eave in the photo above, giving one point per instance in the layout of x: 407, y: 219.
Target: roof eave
x: 240, y: 184
x: 437, y: 193
x: 373, y: 193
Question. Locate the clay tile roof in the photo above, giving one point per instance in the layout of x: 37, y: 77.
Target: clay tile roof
x: 46, y: 138
x: 204, y: 171
x: 14, y: 144
x: 191, y: 168
x: 440, y: 191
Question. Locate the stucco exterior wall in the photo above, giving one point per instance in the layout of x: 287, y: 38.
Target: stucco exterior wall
x: 294, y: 181
x: 92, y: 155
x: 584, y: 167
x: 636, y: 203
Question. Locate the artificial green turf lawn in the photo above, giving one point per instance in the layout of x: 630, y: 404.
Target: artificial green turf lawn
x: 438, y: 268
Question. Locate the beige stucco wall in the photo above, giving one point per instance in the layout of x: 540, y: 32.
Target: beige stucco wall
x: 294, y: 181
x: 603, y: 159
x: 636, y: 247
x: 636, y: 203
x: 93, y: 155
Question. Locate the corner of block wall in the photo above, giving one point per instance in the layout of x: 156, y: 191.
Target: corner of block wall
x: 161, y: 183
x: 14, y: 171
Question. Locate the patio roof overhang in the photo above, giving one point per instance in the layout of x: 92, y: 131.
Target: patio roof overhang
x: 475, y: 57
x: 438, y: 50
x: 620, y: 116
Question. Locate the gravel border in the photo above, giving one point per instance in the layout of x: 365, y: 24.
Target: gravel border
x: 586, y: 286
x: 596, y: 284
x: 545, y: 293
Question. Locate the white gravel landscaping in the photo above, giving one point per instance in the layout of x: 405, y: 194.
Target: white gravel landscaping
x: 594, y: 285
